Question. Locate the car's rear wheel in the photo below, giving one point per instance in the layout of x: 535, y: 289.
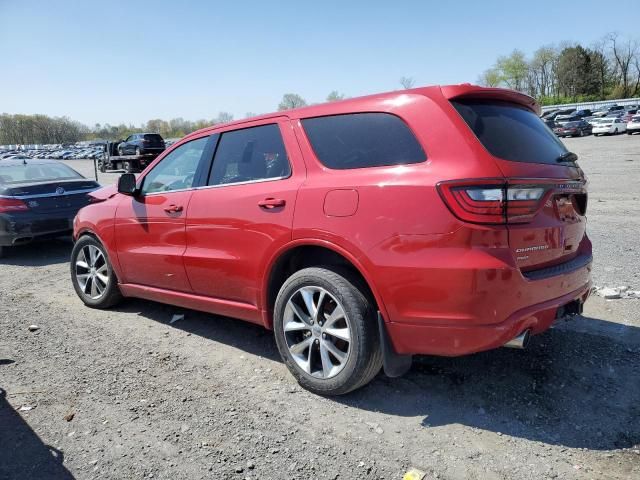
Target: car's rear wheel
x: 92, y: 275
x: 326, y: 332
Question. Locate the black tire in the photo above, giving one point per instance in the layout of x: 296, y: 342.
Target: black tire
x: 364, y: 360
x: 111, y: 294
x: 629, y: 132
x: 102, y: 166
x: 3, y: 251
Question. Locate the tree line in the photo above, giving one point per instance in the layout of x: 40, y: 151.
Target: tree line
x: 42, y: 129
x: 570, y: 72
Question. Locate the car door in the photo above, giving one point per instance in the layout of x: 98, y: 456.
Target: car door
x: 150, y: 226
x: 123, y: 146
x: 244, y: 215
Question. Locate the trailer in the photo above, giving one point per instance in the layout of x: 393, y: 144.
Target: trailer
x: 112, y: 162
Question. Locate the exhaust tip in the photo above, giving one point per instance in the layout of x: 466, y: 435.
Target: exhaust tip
x: 521, y: 341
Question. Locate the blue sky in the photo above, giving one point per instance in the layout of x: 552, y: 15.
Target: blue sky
x: 118, y: 61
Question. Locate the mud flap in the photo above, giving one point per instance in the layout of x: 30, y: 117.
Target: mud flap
x: 394, y: 365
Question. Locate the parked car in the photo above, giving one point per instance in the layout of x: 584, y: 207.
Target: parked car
x: 607, y: 109
x: 141, y: 144
x: 39, y: 199
x: 578, y: 128
x: 609, y: 126
x: 633, y: 126
x: 312, y: 223
x: 583, y: 113
x: 561, y: 120
x: 564, y: 111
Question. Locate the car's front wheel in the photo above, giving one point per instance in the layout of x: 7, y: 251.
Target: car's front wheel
x: 92, y: 275
x: 326, y: 331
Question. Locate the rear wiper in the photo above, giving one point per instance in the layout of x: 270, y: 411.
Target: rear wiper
x: 567, y: 157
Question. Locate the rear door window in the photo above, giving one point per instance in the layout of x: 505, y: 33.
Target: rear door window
x: 510, y: 132
x: 362, y: 140
x: 250, y: 155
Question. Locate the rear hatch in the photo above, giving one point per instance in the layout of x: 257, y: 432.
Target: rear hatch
x: 544, y: 197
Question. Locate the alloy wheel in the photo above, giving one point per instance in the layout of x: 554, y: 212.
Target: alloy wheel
x: 92, y: 272
x: 317, y: 332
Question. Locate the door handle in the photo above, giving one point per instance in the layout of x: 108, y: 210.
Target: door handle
x: 270, y: 203
x: 173, y: 209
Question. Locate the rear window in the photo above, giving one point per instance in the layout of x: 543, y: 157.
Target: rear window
x: 511, y: 132
x: 153, y: 136
x: 362, y: 140
x: 36, y: 173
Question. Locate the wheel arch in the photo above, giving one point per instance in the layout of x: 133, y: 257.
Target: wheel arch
x: 309, y: 253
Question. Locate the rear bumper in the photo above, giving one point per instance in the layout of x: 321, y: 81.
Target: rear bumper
x: 452, y: 340
x: 442, y: 298
x: 154, y: 150
x: 25, y: 227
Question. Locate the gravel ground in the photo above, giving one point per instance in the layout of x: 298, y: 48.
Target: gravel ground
x: 125, y: 394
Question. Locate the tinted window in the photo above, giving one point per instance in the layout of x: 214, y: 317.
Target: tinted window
x: 152, y: 136
x: 250, y: 154
x: 36, y: 173
x: 511, y: 132
x: 362, y: 140
x: 177, y: 170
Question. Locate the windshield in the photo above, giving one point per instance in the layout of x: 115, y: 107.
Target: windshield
x: 510, y: 131
x: 32, y: 173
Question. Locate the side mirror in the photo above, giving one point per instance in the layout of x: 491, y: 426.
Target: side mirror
x: 127, y: 184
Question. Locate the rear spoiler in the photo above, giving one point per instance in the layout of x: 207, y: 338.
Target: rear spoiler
x: 468, y: 91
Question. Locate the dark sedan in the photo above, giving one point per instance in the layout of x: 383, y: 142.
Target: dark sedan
x: 142, y: 144
x: 578, y: 128
x: 39, y: 199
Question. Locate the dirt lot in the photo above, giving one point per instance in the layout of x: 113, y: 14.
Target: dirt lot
x: 126, y: 394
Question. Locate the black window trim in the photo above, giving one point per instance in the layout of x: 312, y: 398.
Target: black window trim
x: 357, y: 112
x: 211, y: 159
x: 209, y: 146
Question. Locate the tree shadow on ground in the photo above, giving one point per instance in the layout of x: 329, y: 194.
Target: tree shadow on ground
x: 23, y: 454
x: 577, y: 385
x: 39, y: 253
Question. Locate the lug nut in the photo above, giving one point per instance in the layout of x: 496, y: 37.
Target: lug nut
x: 324, y: 335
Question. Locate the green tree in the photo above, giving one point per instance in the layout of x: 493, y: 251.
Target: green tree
x: 513, y: 70
x: 291, y: 100
x: 407, y: 82
x: 334, y: 95
x: 490, y: 78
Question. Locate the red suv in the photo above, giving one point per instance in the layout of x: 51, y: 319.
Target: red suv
x: 440, y: 220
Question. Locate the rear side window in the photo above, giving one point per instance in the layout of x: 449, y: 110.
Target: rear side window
x: 153, y: 137
x: 249, y: 155
x: 511, y: 132
x: 362, y: 140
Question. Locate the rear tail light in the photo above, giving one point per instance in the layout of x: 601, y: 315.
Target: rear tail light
x: 12, y: 205
x: 492, y: 201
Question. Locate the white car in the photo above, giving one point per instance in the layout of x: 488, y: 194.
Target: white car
x: 634, y: 125
x: 609, y: 126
